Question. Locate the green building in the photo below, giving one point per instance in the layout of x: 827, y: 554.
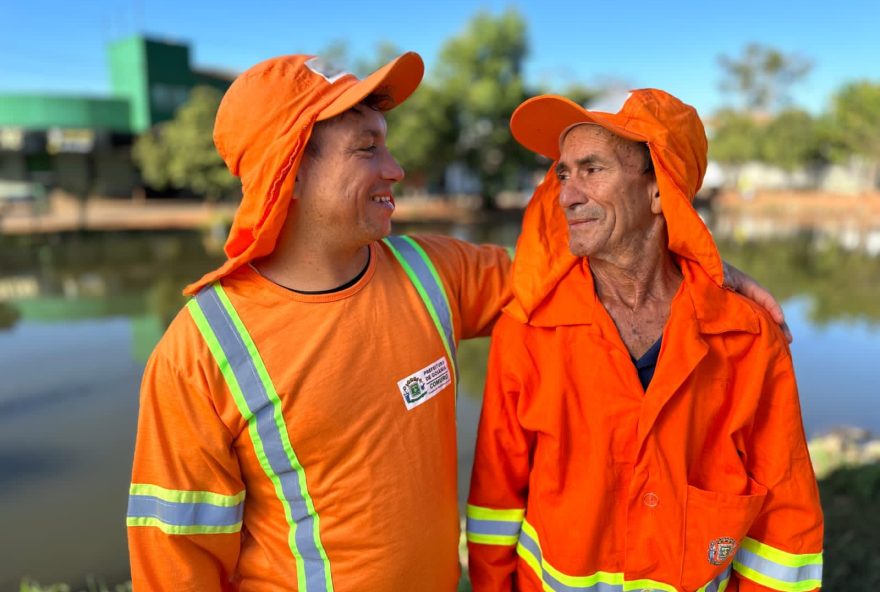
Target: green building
x: 82, y: 144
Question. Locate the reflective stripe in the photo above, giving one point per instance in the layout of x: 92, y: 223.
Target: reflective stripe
x: 184, y: 512
x: 424, y: 277
x: 191, y: 515
x: 179, y: 495
x: 259, y: 405
x: 777, y: 569
x: 529, y: 549
x: 719, y: 584
x: 493, y: 527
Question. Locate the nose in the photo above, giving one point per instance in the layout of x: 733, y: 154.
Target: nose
x: 571, y: 196
x: 391, y: 170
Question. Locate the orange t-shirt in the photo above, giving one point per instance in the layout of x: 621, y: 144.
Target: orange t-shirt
x: 380, y: 473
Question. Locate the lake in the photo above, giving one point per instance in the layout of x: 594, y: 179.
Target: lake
x: 80, y: 314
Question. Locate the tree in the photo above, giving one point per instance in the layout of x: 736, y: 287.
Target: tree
x: 855, y: 119
x: 479, y: 75
x: 762, y: 76
x: 180, y: 153
x: 735, y: 137
x: 791, y: 140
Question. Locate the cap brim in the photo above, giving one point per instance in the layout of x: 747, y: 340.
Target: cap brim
x: 397, y: 79
x: 538, y: 123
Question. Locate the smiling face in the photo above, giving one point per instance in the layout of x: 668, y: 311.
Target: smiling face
x: 609, y: 197
x: 344, y: 181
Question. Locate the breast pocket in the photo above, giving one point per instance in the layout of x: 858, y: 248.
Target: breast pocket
x: 715, y: 523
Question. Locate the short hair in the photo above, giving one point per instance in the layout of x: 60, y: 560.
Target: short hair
x: 376, y: 101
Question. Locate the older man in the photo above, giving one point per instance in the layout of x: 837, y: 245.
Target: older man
x: 641, y: 426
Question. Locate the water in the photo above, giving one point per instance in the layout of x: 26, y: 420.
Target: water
x: 82, y: 314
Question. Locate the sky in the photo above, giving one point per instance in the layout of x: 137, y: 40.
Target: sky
x: 59, y: 47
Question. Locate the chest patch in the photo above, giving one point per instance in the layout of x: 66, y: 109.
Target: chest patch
x: 424, y: 384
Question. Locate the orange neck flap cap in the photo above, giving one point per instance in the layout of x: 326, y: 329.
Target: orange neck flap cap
x: 677, y: 141
x: 262, y: 127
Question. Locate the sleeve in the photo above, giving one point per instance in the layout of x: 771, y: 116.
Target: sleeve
x: 475, y: 278
x: 187, y: 497
x: 783, y: 548
x: 499, y: 483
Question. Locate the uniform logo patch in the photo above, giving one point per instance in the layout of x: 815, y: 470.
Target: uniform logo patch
x: 424, y: 384
x: 325, y: 70
x: 720, y: 550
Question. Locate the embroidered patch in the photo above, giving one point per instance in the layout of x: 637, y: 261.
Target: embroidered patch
x: 326, y: 70
x: 424, y: 384
x: 720, y: 550
x: 609, y: 102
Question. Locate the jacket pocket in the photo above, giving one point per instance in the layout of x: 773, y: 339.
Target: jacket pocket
x: 714, y: 525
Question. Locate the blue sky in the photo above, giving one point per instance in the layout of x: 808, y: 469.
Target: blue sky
x: 49, y: 45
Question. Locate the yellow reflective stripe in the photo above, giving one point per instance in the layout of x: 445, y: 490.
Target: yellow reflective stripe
x: 187, y: 497
x: 481, y: 513
x: 779, y: 556
x: 765, y: 580
x: 176, y: 529
x: 600, y: 577
x: 492, y: 539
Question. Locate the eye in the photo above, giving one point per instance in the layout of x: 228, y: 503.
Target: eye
x: 372, y: 148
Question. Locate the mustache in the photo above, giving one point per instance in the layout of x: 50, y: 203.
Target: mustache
x: 583, y: 212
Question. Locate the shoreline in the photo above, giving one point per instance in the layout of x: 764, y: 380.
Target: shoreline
x: 782, y: 212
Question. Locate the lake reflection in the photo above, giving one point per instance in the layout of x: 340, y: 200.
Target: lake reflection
x: 79, y: 316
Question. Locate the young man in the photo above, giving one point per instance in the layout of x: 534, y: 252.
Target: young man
x: 641, y: 427
x: 297, y: 421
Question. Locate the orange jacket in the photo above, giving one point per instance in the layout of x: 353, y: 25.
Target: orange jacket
x: 582, y: 480
x: 655, y: 490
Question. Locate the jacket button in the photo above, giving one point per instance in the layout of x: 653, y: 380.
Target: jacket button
x: 650, y: 499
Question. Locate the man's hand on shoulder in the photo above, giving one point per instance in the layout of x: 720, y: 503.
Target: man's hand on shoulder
x: 746, y: 285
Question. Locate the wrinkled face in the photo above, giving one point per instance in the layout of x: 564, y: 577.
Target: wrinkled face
x: 609, y: 200
x: 345, y: 178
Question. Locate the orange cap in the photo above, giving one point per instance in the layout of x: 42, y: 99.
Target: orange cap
x: 263, y: 125
x: 677, y: 141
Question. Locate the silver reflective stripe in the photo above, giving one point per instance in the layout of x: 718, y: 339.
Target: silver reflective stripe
x: 531, y: 547
x: 777, y: 571
x: 261, y: 407
x: 183, y: 514
x: 716, y: 584
x: 528, y: 546
x: 494, y: 527
x: 434, y: 290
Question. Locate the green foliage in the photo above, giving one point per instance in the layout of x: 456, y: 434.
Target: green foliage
x: 801, y: 267
x: 762, y: 76
x: 791, y: 140
x: 480, y: 74
x: 422, y: 136
x: 180, y: 153
x: 855, y: 119
x: 92, y: 585
x: 733, y: 139
x: 9, y: 315
x: 851, y: 503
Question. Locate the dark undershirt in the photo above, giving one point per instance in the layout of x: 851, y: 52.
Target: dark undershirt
x: 647, y: 363
x: 344, y: 286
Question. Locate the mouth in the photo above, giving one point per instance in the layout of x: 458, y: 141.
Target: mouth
x: 580, y: 222
x: 386, y: 200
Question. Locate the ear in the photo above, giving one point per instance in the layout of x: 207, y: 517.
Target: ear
x: 654, y: 191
